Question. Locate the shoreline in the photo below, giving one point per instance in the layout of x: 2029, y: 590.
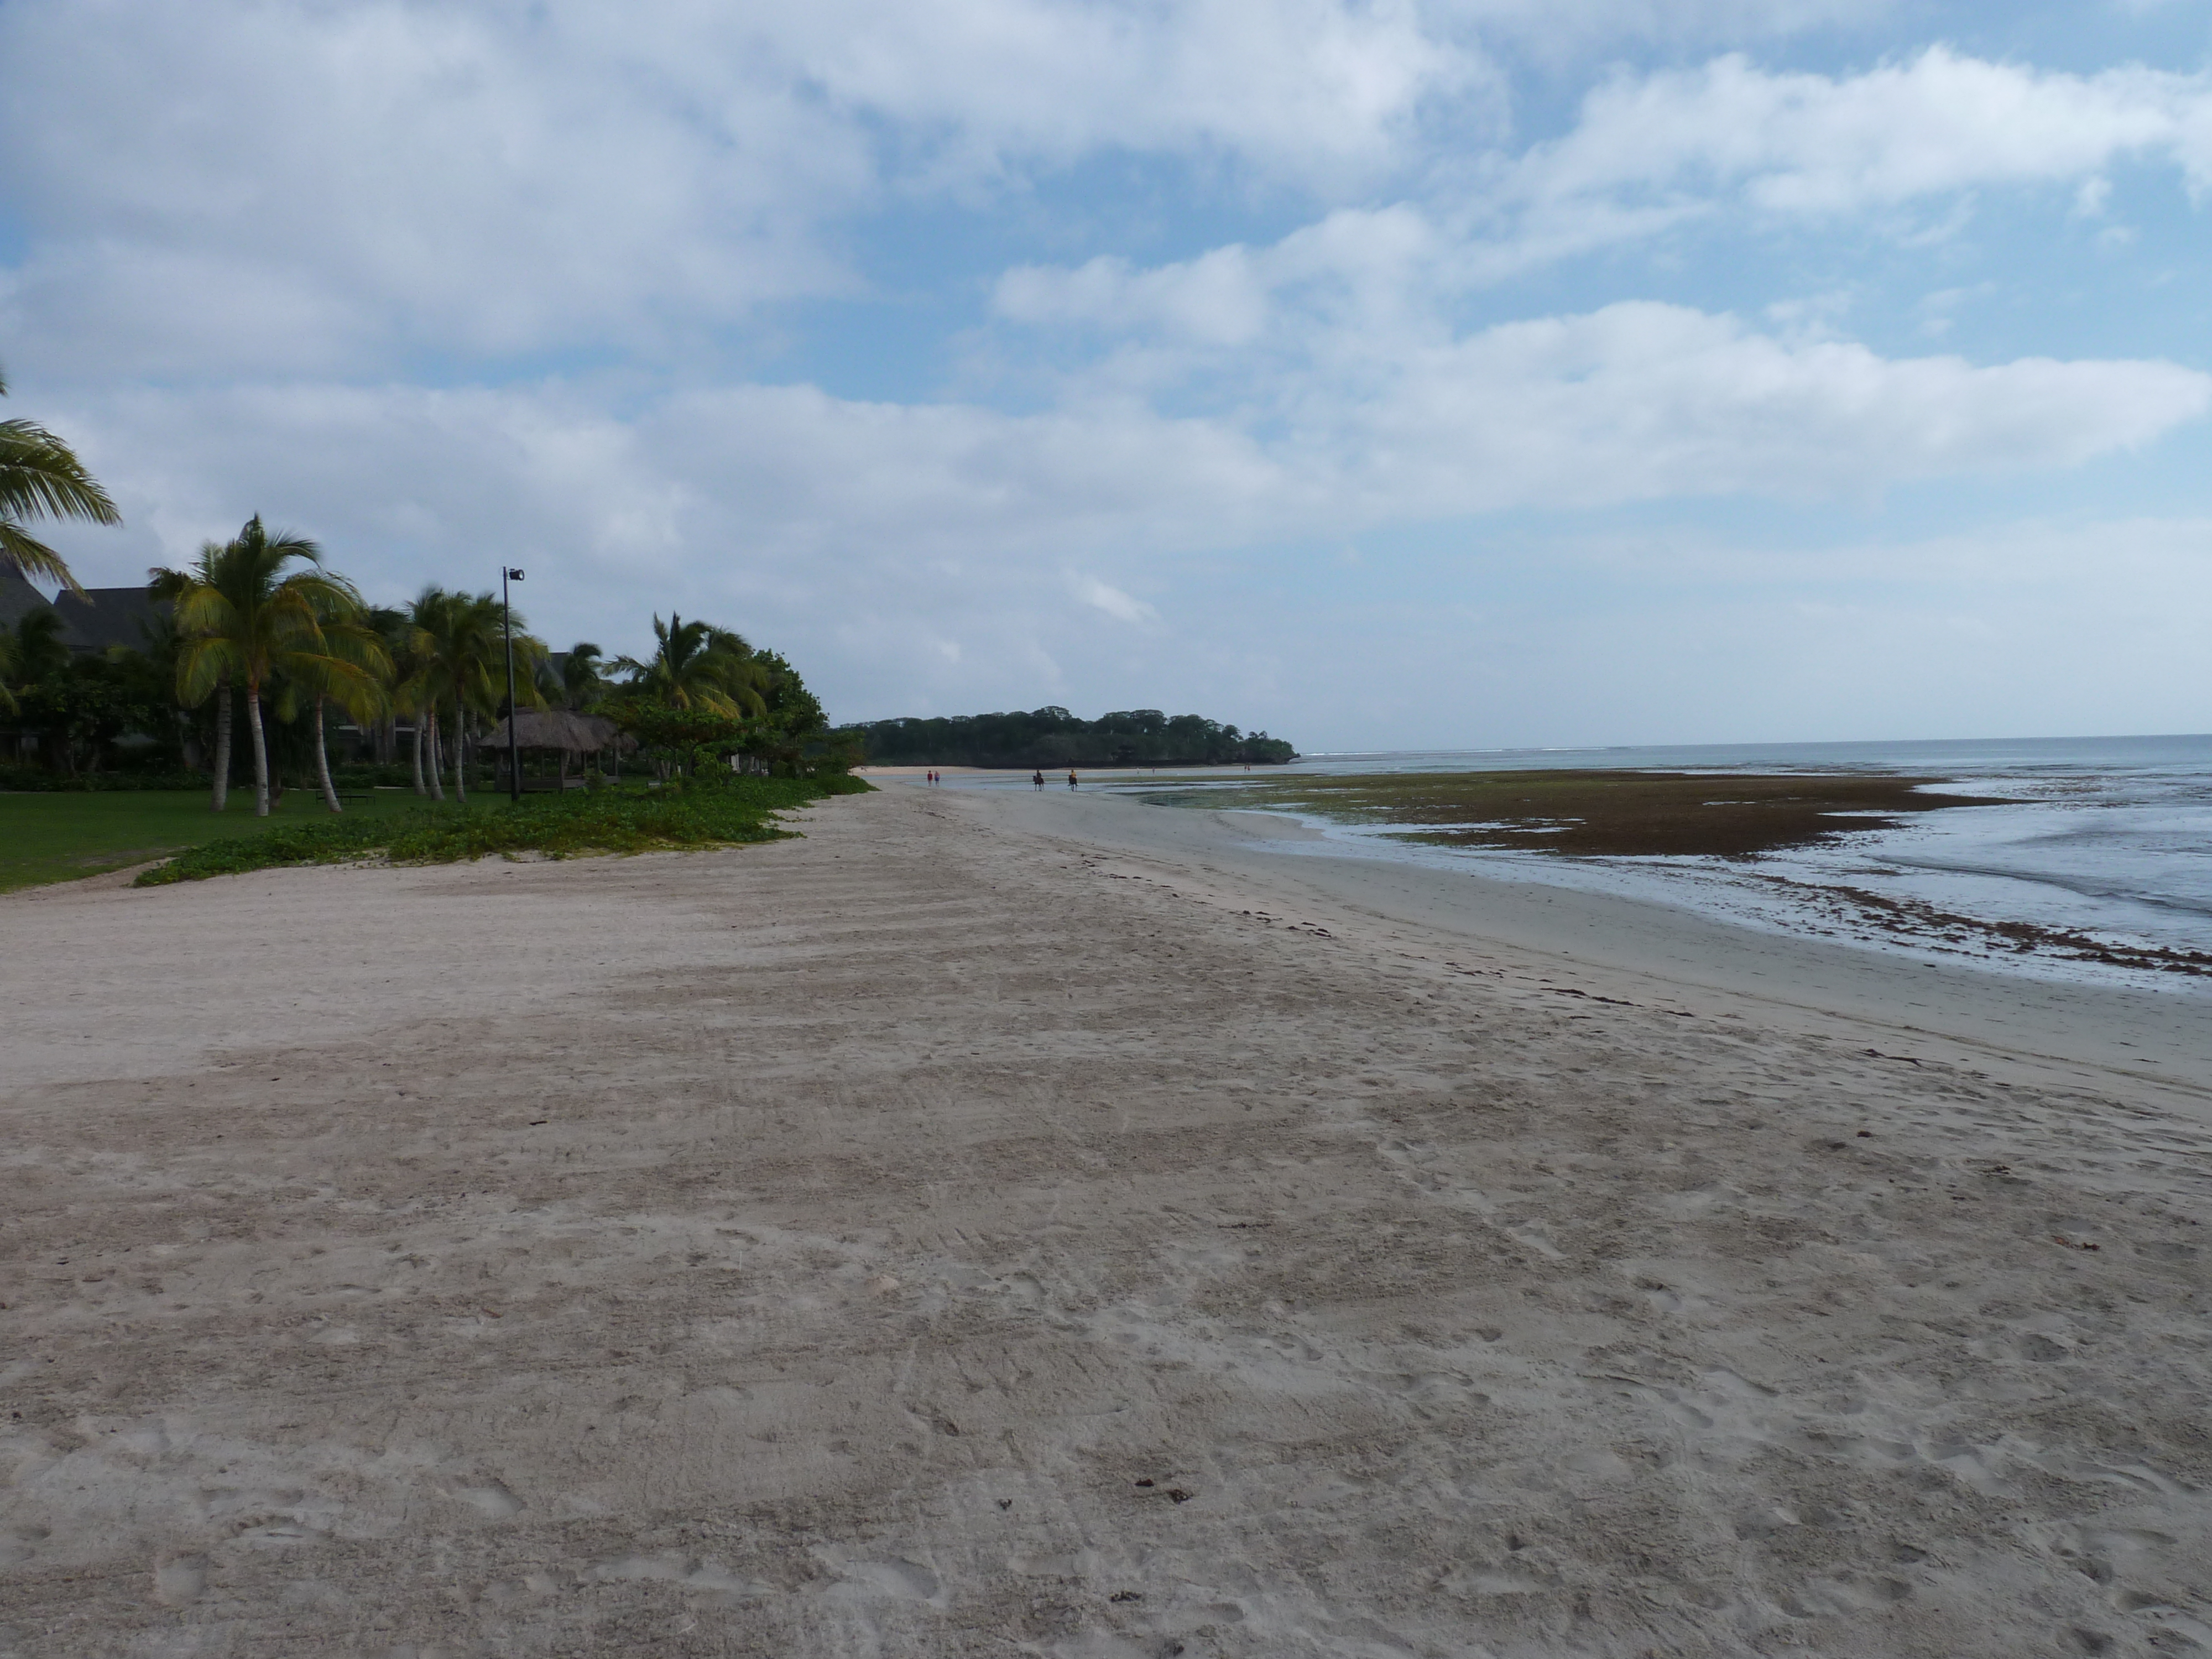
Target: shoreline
x: 1002, y: 1224
x: 2160, y: 1036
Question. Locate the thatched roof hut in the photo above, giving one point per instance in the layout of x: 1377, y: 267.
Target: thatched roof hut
x: 559, y: 728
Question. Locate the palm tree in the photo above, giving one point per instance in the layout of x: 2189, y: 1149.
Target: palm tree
x: 243, y: 615
x: 40, y: 477
x: 405, y: 640
x: 170, y: 584
x: 428, y: 619
x: 582, y: 685
x: 462, y: 663
x: 390, y: 628
x: 696, y: 664
x: 354, y: 671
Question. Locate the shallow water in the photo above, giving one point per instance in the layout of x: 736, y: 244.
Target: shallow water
x: 2107, y: 838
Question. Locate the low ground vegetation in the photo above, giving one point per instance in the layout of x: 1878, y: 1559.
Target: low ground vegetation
x: 60, y: 834
x: 678, y: 816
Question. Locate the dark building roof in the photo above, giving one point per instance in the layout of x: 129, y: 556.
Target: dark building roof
x: 110, y: 616
x: 18, y: 598
x: 103, y: 617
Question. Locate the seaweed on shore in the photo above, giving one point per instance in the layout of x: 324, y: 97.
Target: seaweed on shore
x: 1615, y: 814
x: 1915, y: 921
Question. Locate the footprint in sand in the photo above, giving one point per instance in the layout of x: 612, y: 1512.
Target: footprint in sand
x: 180, y: 1579
x: 899, y: 1579
x: 692, y: 1571
x: 493, y: 1500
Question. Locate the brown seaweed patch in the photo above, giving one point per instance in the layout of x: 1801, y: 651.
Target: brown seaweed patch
x: 1611, y: 814
x: 1916, y: 921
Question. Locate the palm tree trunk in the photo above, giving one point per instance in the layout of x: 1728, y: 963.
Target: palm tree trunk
x: 460, y: 783
x: 420, y: 788
x: 222, y: 743
x: 260, y: 751
x: 436, y: 762
x: 323, y: 763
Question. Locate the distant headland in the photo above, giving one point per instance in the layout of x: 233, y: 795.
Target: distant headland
x: 1053, y: 737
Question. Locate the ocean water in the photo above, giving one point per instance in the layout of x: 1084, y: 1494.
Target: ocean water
x: 2097, y: 867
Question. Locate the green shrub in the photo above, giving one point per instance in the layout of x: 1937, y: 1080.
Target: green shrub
x: 714, y: 813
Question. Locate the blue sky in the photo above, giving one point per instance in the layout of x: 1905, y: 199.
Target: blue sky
x: 1387, y: 375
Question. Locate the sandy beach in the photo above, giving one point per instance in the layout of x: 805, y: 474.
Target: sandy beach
x: 1025, y: 1224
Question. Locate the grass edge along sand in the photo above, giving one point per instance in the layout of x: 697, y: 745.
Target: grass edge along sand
x: 568, y: 825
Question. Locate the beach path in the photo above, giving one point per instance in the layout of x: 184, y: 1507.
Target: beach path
x: 946, y: 1235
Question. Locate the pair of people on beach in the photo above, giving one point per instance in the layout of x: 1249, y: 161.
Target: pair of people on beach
x: 1037, y: 778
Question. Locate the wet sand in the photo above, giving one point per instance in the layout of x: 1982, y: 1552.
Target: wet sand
x: 1001, y: 1224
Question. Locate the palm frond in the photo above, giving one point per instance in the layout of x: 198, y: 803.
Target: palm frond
x: 40, y: 477
x: 34, y: 558
x: 203, y: 662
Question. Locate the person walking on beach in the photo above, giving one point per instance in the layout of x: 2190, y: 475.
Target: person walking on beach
x: 1037, y: 778
x: 1071, y: 777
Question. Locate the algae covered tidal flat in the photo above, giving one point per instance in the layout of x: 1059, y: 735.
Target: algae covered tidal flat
x: 1601, y: 813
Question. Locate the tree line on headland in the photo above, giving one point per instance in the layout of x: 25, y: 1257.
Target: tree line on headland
x: 259, y: 644
x: 1051, y: 737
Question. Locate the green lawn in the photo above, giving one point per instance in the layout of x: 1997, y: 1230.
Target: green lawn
x: 60, y: 837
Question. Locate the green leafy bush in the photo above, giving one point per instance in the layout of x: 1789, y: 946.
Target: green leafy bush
x: 627, y: 820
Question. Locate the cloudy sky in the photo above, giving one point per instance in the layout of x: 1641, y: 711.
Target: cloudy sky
x: 1384, y: 372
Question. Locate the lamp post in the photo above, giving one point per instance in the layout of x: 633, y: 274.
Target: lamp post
x: 507, y: 573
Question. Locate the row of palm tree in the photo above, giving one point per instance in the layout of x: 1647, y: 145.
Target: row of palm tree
x: 245, y: 618
x: 259, y: 616
x: 260, y: 612
x: 450, y: 649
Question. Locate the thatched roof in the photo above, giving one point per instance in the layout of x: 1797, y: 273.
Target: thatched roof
x: 557, y: 728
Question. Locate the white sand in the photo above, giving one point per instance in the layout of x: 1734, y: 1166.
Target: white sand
x: 809, y: 1249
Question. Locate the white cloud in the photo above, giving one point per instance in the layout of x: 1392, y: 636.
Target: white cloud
x: 1099, y: 596
x: 1306, y: 88
x: 1648, y: 155
x: 1369, y: 267
x: 257, y: 186
x: 260, y: 236
x: 1560, y: 30
x: 1642, y: 401
x: 1802, y: 143
x: 793, y: 497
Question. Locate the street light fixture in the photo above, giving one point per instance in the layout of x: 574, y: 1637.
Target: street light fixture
x: 507, y: 573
